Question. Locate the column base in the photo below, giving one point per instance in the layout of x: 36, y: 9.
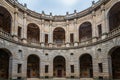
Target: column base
x: 104, y: 35
x: 76, y: 44
x: 67, y: 44
x: 50, y: 45
x: 24, y: 40
x: 42, y: 44
x: 15, y: 37
x: 94, y: 39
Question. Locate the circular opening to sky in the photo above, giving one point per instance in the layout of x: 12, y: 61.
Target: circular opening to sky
x: 57, y: 7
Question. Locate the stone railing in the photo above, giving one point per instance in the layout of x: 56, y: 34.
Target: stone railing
x: 114, y: 32
x: 7, y: 36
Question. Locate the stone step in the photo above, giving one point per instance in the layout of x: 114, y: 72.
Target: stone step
x: 59, y: 79
x: 33, y: 78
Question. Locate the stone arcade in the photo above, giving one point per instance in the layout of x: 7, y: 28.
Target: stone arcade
x: 80, y: 46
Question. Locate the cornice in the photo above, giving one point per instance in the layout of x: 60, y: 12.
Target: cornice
x: 59, y: 18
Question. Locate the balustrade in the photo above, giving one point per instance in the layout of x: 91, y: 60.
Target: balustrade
x: 5, y: 34
x: 58, y: 43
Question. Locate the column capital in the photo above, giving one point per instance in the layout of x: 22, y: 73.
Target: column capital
x: 93, y: 14
x: 25, y: 15
x: 103, y: 8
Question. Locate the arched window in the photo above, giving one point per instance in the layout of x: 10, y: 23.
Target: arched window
x: 5, y: 20
x: 114, y: 17
x: 33, y: 62
x: 59, y: 66
x: 114, y: 61
x: 5, y: 63
x: 85, y: 31
x: 33, y: 33
x: 59, y: 35
x: 86, y: 67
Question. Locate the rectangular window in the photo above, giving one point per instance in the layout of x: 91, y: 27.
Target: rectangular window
x: 46, y: 68
x: 100, y: 67
x: 46, y: 77
x: 99, y: 30
x: 72, y: 38
x: 72, y: 68
x: 72, y: 77
x: 100, y: 78
x: 19, y: 31
x: 19, y: 68
x: 46, y: 38
x: 18, y: 78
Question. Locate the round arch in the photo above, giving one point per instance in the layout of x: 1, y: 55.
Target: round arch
x: 33, y: 66
x: 113, y: 15
x: 114, y: 61
x: 86, y: 66
x: 85, y: 31
x: 5, y: 20
x: 5, y: 63
x: 59, y: 35
x: 59, y: 66
x: 33, y: 28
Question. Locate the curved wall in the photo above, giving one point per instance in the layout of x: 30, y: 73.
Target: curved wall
x: 98, y: 46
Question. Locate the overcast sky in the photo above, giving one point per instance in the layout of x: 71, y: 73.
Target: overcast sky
x: 57, y: 7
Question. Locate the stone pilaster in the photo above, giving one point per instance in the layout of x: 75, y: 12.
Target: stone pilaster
x: 15, y: 27
x: 107, y: 68
x: 67, y: 35
x: 50, y: 35
x: 95, y: 68
x: 76, y: 35
x: 42, y: 35
x: 14, y: 69
x: 24, y: 29
x: 94, y: 28
x: 104, y: 27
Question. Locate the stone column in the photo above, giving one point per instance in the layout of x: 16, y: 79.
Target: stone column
x: 15, y: 27
x: 42, y: 39
x: 67, y: 35
x: 76, y: 35
x: 94, y: 29
x: 104, y: 27
x: 24, y: 29
x: 50, y: 34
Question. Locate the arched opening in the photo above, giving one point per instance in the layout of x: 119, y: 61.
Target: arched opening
x: 33, y: 62
x: 33, y: 33
x: 114, y: 17
x: 59, y: 35
x: 5, y: 56
x: 85, y: 31
x: 59, y: 67
x: 115, y: 62
x: 86, y: 67
x: 5, y: 20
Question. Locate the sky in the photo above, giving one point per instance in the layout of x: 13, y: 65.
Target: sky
x: 57, y: 7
